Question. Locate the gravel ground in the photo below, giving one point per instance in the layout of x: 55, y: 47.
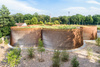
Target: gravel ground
x: 47, y: 56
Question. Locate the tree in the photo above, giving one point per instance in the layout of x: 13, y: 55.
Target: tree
x: 34, y: 20
x: 28, y: 17
x: 73, y: 19
x: 89, y: 19
x: 4, y: 16
x: 41, y: 49
x: 6, y: 21
x: 64, y: 19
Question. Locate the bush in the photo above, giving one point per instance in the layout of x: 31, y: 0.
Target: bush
x: 56, y: 59
x: 6, y: 41
x: 49, y: 23
x: 40, y: 22
x: 1, y: 41
x: 13, y: 57
x: 27, y: 22
x: 31, y: 52
x: 56, y: 22
x: 74, y: 62
x: 41, y: 49
x: 98, y: 41
x: 64, y: 56
x: 89, y: 52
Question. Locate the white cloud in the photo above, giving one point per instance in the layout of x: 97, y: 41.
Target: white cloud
x: 83, y: 10
x: 93, y: 2
x: 16, y: 6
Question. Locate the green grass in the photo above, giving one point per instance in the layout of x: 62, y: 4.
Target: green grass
x: 52, y: 27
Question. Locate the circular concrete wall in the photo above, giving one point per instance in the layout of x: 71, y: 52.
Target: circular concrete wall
x: 26, y: 37
x: 62, y: 39
x: 89, y: 32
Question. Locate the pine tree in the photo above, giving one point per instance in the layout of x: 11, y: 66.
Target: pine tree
x: 5, y: 21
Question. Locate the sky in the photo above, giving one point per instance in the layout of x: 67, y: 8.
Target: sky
x: 54, y: 8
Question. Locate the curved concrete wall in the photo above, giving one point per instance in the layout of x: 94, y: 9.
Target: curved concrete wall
x: 89, y: 33
x: 62, y: 39
x: 25, y: 36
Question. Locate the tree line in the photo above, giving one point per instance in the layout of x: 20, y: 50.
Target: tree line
x: 7, y: 20
x: 40, y: 19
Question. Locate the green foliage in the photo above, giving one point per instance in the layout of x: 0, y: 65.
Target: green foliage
x: 49, y: 23
x: 6, y: 21
x: 31, y: 52
x: 0, y: 34
x: 40, y: 22
x: 56, y: 54
x: 64, y: 56
x: 13, y: 57
x: 1, y: 41
x: 56, y: 22
x: 41, y: 47
x: 6, y: 41
x: 74, y: 62
x: 89, y: 52
x: 27, y: 22
x: 56, y: 59
x: 34, y: 20
x: 56, y: 62
x: 98, y: 41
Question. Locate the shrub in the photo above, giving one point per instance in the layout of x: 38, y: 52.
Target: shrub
x: 6, y: 41
x: 13, y: 57
x: 56, y: 22
x: 49, y: 23
x: 41, y: 49
x: 89, y: 52
x: 74, y: 62
x: 98, y: 41
x: 64, y: 56
x: 56, y: 54
x: 31, y: 52
x: 41, y: 22
x: 56, y: 62
x: 56, y: 59
x: 1, y: 41
x: 27, y: 22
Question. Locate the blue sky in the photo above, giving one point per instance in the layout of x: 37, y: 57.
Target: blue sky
x: 53, y: 7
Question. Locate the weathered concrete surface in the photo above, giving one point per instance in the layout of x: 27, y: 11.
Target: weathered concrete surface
x: 89, y: 33
x: 26, y: 37
x: 62, y: 39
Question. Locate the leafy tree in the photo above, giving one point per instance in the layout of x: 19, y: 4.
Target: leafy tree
x: 41, y: 49
x: 28, y: 17
x: 34, y: 20
x: 73, y: 19
x: 63, y: 19
x: 89, y: 19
